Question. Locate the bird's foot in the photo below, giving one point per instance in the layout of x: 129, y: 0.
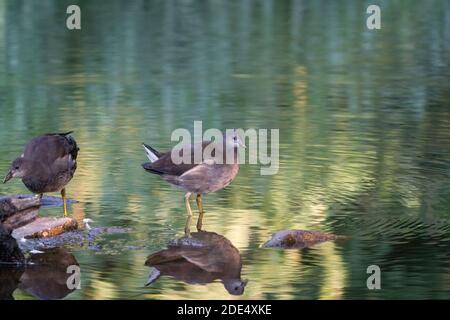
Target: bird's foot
x: 200, y: 228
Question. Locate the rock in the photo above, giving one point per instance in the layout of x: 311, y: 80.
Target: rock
x: 45, y: 227
x: 71, y: 238
x: 21, y: 218
x: 13, y: 203
x: 297, y: 239
x: 10, y: 205
x: 21, y: 213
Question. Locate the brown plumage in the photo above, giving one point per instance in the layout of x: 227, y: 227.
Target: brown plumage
x: 214, y: 171
x: 47, y: 164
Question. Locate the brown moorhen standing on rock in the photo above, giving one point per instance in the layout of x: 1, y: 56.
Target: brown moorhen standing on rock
x: 212, y: 173
x: 47, y: 164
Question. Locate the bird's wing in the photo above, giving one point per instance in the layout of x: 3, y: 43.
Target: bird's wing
x: 165, y: 165
x: 50, y: 147
x: 208, y: 170
x: 63, y: 164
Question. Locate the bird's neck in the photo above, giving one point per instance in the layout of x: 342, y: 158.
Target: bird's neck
x: 231, y: 156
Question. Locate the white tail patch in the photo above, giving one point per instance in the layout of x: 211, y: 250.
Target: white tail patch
x: 150, y: 155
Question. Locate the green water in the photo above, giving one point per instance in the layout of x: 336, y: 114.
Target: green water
x: 364, y: 119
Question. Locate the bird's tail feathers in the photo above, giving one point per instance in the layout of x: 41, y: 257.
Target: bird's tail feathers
x: 59, y: 134
x: 151, y: 153
x: 153, y: 276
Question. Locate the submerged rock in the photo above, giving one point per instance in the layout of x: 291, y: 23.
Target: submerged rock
x: 93, y: 232
x: 71, y: 238
x: 297, y: 239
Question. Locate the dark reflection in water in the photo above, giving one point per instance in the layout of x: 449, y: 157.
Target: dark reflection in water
x: 10, y: 252
x: 44, y: 276
x: 9, y: 281
x: 201, y: 259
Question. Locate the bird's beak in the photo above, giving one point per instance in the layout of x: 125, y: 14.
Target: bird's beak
x: 8, y: 177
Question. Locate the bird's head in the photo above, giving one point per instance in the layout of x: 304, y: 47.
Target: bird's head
x: 232, y: 138
x: 19, y: 168
x: 235, y: 287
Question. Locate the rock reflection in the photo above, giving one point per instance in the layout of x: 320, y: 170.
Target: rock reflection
x: 9, y: 281
x: 44, y: 275
x: 201, y: 259
x: 9, y: 249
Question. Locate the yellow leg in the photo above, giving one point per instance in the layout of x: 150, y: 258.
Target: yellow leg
x: 63, y: 195
x: 187, y: 228
x: 200, y: 208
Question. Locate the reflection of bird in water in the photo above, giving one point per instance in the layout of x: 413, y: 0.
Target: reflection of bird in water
x: 47, y: 164
x: 44, y: 275
x: 201, y: 259
x: 214, y: 172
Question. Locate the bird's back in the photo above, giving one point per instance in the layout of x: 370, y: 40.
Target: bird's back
x: 165, y: 165
x: 48, y: 148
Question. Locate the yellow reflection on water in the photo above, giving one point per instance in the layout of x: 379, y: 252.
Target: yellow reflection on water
x: 335, y: 274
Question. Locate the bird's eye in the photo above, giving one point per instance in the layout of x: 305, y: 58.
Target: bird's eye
x: 16, y: 168
x: 235, y: 138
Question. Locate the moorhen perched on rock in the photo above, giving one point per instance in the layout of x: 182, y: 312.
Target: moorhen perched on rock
x: 47, y: 164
